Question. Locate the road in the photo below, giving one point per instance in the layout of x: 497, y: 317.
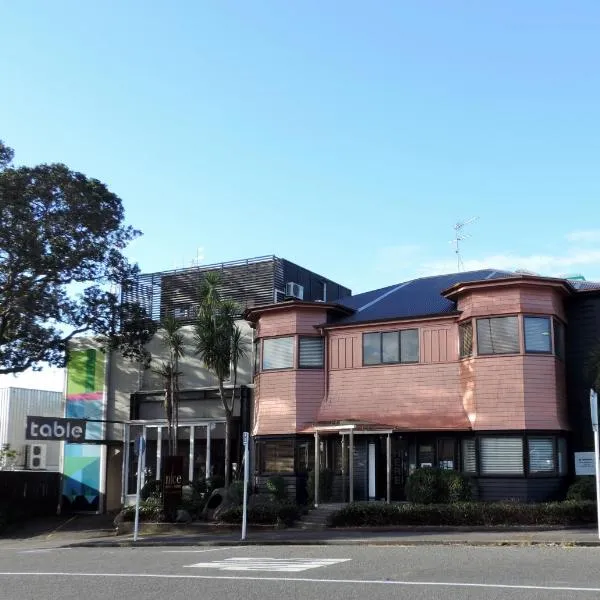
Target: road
x: 301, y: 572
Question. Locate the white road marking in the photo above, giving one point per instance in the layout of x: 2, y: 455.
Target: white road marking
x: 277, y: 565
x: 449, y: 584
x: 196, y: 551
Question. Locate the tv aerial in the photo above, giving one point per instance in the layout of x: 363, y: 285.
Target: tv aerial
x: 461, y: 236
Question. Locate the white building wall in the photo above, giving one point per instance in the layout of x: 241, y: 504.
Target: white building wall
x: 126, y: 378
x: 18, y: 403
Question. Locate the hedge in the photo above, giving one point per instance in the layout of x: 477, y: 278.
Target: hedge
x: 263, y: 514
x: 437, y: 486
x: 569, y: 513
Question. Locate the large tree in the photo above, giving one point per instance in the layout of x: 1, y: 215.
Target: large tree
x: 220, y: 345
x: 62, y: 238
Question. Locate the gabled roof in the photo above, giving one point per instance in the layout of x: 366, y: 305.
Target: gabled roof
x: 416, y: 298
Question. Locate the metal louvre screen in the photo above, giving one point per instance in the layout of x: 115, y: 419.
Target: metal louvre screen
x: 311, y: 352
x: 498, y: 335
x: 469, y: 461
x: 541, y: 455
x: 537, y: 334
x: 465, y: 332
x: 501, y: 456
x: 278, y: 353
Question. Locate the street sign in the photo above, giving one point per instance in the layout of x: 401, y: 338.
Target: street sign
x: 45, y: 429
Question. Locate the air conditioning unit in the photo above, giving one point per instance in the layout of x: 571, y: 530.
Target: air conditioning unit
x: 294, y: 290
x: 36, y: 456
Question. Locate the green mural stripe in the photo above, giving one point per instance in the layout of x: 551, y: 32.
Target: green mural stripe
x: 90, y: 370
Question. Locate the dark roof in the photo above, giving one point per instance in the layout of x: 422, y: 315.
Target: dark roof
x: 584, y: 286
x: 415, y: 298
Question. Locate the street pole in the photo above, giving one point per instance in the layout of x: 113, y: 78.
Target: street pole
x: 140, y: 446
x: 594, y: 412
x: 246, y: 478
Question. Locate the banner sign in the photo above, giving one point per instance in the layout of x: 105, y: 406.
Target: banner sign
x: 45, y: 429
x: 172, y: 483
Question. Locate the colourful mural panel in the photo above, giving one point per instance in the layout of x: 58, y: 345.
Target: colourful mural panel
x: 85, y: 400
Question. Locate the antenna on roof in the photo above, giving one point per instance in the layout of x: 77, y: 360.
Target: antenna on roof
x: 459, y: 236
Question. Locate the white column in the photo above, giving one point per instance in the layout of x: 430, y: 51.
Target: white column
x: 143, y: 457
x: 351, y: 465
x: 191, y: 467
x: 158, y: 452
x: 317, y: 469
x: 343, y: 468
x: 208, y: 473
x: 388, y: 467
x: 125, y: 468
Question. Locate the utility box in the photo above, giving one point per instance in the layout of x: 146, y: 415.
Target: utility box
x: 16, y: 404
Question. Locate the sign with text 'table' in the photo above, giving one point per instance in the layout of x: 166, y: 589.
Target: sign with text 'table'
x: 46, y: 429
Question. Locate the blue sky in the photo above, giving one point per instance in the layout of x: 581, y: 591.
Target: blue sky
x: 348, y: 137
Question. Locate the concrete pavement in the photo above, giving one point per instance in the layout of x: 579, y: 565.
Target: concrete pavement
x: 98, y: 531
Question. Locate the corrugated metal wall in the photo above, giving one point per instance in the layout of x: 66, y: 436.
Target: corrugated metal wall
x: 15, y: 405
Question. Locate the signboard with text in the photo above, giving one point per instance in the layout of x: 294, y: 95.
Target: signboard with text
x: 172, y: 483
x: 46, y: 429
x: 584, y: 463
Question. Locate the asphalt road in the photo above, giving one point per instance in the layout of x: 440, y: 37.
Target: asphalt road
x: 301, y: 572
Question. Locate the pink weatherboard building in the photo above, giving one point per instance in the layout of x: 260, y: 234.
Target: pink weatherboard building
x: 463, y: 371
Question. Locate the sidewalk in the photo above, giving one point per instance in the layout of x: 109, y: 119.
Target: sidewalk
x: 97, y: 531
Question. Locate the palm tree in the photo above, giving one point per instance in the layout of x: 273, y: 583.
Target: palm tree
x: 172, y: 339
x: 218, y: 342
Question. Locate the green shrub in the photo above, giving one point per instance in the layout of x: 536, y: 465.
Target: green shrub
x: 215, y: 482
x: 583, y: 488
x: 276, y: 486
x: 150, y: 510
x: 263, y: 514
x: 370, y: 514
x: 235, y: 492
x: 432, y: 486
x: 151, y: 489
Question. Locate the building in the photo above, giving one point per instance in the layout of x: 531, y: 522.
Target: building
x: 126, y: 400
x: 16, y: 404
x: 466, y: 371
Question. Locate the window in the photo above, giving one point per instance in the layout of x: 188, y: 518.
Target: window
x: 278, y: 353
x: 501, y: 456
x: 371, y: 348
x: 256, y: 357
x: 391, y: 347
x: 276, y: 456
x: 465, y: 337
x: 469, y: 460
x: 538, y: 338
x: 409, y: 345
x: 446, y: 451
x: 498, y: 335
x: 559, y: 339
x: 541, y: 454
x: 311, y: 353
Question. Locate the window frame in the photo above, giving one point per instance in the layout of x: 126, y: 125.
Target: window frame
x: 398, y: 333
x: 262, y: 358
x: 311, y: 337
x: 549, y: 320
x: 554, y: 441
x: 494, y: 317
